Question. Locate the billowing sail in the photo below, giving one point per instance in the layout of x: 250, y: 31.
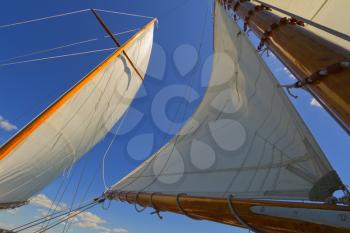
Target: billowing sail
x: 330, y: 13
x: 245, y: 139
x: 74, y: 123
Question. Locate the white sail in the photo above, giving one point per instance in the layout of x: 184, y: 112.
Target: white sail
x: 245, y: 138
x: 74, y: 123
x: 330, y: 13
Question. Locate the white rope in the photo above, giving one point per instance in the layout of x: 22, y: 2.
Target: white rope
x: 63, y: 46
x: 49, y: 50
x: 109, y: 147
x: 124, y: 13
x: 41, y: 19
x: 55, y: 57
x: 120, y: 33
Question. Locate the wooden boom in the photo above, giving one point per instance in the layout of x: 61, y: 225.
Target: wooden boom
x: 263, y: 216
x: 321, y: 66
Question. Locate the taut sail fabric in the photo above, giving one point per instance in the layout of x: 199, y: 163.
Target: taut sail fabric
x: 245, y: 138
x: 74, y: 123
x: 330, y: 13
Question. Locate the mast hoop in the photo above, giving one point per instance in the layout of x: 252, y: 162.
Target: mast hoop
x: 315, y: 77
x: 156, y: 210
x: 136, y: 203
x: 184, y: 212
x: 126, y: 197
x: 309, y: 22
x: 282, y: 21
x: 119, y: 193
x: 236, y: 215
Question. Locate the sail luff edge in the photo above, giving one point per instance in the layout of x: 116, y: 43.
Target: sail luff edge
x: 27, y: 130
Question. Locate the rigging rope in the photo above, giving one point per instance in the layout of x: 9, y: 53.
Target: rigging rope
x: 47, y: 219
x: 70, y: 13
x: 48, y: 50
x: 108, y: 148
x: 124, y: 13
x: 124, y: 32
x: 186, y: 94
x: 76, y: 191
x: 41, y: 19
x: 56, y: 57
x: 81, y: 210
x: 64, y: 46
x: 92, y: 116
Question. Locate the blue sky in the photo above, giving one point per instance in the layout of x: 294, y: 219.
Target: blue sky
x: 26, y: 89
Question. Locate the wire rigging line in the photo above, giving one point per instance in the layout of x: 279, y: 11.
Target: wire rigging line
x: 187, y: 93
x: 76, y: 212
x: 43, y: 18
x: 49, y: 50
x: 63, y: 46
x: 55, y: 57
x: 76, y: 191
x: 124, y: 13
x: 108, y: 149
x: 70, y: 13
x: 124, y: 32
x: 50, y: 217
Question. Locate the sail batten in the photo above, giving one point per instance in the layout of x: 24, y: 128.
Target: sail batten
x: 245, y: 139
x: 73, y: 124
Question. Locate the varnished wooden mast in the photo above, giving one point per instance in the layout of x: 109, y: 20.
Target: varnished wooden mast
x: 305, y: 54
x: 217, y: 210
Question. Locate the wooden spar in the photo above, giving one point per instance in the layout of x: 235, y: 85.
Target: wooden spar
x: 217, y: 210
x: 17, y: 139
x: 304, y: 54
x: 116, y: 42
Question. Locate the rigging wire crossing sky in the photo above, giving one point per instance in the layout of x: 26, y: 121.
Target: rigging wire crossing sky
x: 42, y: 58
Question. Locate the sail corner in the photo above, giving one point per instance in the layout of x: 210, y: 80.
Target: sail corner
x: 325, y: 187
x: 13, y: 205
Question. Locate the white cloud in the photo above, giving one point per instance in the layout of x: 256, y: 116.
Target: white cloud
x: 6, y: 125
x: 86, y: 220
x: 12, y: 211
x: 43, y: 201
x: 90, y: 220
x: 315, y: 103
x: 120, y: 230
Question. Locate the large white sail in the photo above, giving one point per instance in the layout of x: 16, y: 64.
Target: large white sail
x: 245, y: 139
x: 74, y: 123
x: 330, y: 13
